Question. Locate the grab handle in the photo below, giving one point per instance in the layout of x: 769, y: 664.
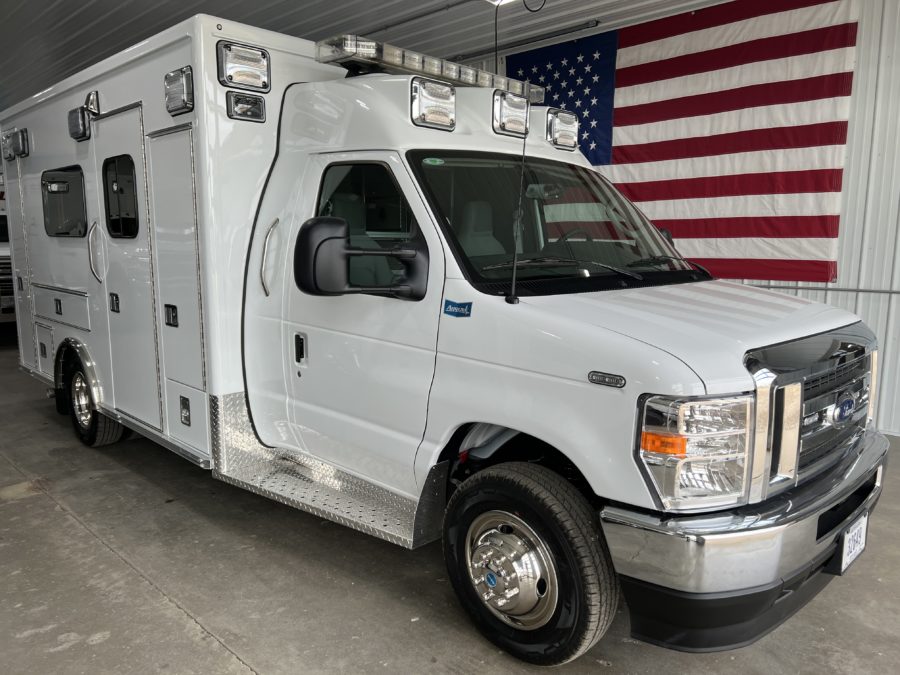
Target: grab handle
x: 90, y: 242
x: 265, y: 254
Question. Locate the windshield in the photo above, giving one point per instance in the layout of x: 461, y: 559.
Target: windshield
x: 573, y: 223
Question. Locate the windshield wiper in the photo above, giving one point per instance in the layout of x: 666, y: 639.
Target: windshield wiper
x: 660, y: 259
x: 550, y: 261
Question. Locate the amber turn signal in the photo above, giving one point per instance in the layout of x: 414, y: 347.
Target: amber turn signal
x: 664, y: 444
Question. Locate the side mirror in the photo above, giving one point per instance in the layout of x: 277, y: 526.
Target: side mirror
x: 322, y: 262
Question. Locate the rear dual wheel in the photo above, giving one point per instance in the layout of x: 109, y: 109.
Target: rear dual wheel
x: 526, y: 556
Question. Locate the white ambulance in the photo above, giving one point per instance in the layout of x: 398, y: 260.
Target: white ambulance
x: 387, y: 289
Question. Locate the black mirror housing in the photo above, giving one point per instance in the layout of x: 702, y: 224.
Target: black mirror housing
x: 322, y: 255
x: 320, y: 263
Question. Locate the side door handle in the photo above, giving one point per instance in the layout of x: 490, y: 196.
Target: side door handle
x: 265, y: 255
x: 90, y: 242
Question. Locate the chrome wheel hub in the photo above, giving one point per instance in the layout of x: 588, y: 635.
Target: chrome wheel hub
x: 81, y: 401
x: 512, y: 570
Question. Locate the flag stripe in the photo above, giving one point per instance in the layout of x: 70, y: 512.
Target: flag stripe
x: 709, y: 17
x: 783, y: 182
x: 761, y: 49
x: 770, y: 269
x: 763, y: 117
x: 801, y: 204
x: 828, y: 133
x: 769, y: 226
x: 822, y: 14
x: 805, y: 248
x: 791, y: 159
x: 728, y: 79
x: 791, y: 91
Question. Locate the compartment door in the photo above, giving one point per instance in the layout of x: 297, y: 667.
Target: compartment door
x: 20, y: 270
x: 125, y: 233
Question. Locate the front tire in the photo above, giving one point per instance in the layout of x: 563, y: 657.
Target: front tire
x: 528, y: 561
x: 92, y: 427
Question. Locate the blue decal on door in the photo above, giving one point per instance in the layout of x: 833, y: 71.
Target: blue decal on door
x: 457, y: 308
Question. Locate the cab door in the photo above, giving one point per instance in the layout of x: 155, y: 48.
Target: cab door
x: 355, y: 370
x: 362, y: 365
x: 124, y: 236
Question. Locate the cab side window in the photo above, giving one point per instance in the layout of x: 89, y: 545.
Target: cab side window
x: 62, y: 193
x: 366, y: 196
x: 120, y: 197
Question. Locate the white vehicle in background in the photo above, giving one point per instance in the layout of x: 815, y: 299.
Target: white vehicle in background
x: 385, y: 288
x: 7, y: 296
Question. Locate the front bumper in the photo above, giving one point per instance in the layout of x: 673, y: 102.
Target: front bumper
x: 718, y: 581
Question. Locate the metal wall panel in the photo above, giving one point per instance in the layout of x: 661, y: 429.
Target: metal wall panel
x: 869, y: 241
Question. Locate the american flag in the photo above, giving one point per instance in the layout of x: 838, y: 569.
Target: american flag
x: 727, y: 126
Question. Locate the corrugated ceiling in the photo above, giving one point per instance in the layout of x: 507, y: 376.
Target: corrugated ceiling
x: 48, y: 40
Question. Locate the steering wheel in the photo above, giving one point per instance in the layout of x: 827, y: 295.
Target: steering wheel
x: 577, y: 230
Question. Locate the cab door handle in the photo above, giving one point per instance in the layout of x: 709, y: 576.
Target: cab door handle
x: 299, y: 348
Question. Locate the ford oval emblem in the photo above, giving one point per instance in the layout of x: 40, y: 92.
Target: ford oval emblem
x: 843, y: 409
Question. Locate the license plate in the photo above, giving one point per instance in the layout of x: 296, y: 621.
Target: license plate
x: 854, y: 541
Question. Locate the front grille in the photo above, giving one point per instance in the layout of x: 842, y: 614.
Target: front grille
x: 817, y: 390
x: 824, y: 441
x: 820, y: 384
x: 6, y: 281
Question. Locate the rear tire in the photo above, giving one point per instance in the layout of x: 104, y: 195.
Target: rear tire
x: 92, y: 427
x: 527, y: 559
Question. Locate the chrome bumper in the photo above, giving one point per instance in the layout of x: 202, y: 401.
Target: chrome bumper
x: 751, y: 546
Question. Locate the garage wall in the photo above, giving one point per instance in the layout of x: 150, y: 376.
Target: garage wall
x: 868, y: 280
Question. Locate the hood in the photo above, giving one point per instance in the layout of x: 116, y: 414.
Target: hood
x: 708, y: 325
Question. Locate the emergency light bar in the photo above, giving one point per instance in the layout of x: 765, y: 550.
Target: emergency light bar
x: 361, y: 50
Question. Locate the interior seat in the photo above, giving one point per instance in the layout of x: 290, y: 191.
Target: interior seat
x: 476, y: 231
x: 364, y: 271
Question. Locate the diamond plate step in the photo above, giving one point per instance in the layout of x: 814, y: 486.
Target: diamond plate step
x: 306, y: 483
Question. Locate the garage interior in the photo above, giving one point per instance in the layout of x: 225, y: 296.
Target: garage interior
x: 127, y: 558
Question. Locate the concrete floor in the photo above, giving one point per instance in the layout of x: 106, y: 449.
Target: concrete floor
x: 129, y: 559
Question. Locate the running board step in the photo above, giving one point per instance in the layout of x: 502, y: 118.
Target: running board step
x: 306, y: 483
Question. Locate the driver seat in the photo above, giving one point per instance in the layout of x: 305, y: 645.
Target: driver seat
x: 476, y: 231
x: 363, y: 271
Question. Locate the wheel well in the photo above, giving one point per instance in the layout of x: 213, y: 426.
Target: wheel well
x: 70, y: 353
x: 521, y: 447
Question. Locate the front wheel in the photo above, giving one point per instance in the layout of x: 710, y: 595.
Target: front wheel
x: 92, y: 427
x: 526, y: 557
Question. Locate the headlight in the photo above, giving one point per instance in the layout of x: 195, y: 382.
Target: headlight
x: 697, y: 451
